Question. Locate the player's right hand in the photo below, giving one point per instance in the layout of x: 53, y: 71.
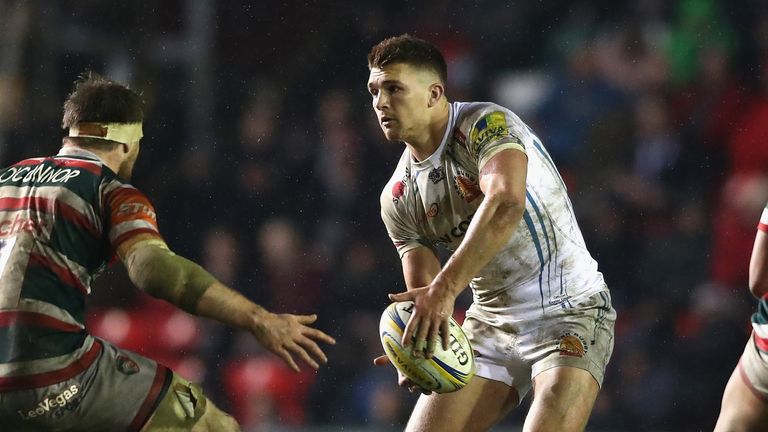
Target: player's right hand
x: 290, y: 335
x: 402, y: 380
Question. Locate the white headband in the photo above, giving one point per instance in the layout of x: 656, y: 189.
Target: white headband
x: 125, y: 133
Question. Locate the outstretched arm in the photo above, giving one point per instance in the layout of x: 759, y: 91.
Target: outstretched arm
x: 161, y: 273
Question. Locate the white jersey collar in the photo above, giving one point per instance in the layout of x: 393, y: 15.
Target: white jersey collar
x: 71, y: 150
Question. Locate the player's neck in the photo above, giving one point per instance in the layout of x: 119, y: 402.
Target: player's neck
x: 425, y: 145
x: 110, y: 158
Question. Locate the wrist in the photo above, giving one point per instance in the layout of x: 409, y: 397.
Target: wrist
x: 256, y: 319
x: 446, y: 285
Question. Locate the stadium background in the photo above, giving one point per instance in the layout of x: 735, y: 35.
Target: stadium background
x: 264, y: 161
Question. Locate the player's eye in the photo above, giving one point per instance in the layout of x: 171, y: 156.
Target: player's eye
x: 393, y: 89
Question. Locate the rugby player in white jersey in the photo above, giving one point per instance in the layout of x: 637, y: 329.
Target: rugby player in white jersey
x: 745, y: 400
x: 475, y: 179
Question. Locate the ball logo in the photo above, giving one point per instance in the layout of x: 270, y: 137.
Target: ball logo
x: 455, y: 346
x: 446, y: 371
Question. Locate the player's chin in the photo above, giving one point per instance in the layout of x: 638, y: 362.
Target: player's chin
x: 391, y: 135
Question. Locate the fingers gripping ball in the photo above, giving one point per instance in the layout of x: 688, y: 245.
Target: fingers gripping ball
x: 447, y: 370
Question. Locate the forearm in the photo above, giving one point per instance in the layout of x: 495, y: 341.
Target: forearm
x: 491, y: 228
x: 161, y: 273
x: 228, y: 306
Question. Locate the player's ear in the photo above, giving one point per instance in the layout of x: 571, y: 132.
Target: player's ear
x: 436, y: 91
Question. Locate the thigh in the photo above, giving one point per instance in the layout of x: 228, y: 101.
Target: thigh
x: 745, y: 400
x: 115, y: 392
x: 476, y: 407
x: 562, y: 400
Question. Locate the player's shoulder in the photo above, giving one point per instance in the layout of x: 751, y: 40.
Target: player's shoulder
x: 470, y: 114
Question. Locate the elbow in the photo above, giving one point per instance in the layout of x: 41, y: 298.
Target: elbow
x: 509, y: 207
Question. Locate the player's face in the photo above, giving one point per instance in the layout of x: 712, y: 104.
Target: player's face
x: 400, y: 97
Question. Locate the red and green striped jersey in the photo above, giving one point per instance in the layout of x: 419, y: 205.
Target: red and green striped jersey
x: 760, y: 318
x: 61, y: 220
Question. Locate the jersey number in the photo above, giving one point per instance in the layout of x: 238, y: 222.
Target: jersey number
x: 9, y: 292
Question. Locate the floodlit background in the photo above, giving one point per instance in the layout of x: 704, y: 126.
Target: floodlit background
x: 264, y: 161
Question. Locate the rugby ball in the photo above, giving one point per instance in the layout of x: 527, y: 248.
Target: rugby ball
x: 447, y: 370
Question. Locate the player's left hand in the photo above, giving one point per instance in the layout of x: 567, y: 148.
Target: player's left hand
x: 430, y: 319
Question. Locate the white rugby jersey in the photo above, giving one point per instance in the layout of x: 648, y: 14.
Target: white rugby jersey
x: 545, y: 264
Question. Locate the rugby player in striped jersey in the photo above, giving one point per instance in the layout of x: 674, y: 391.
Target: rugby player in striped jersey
x: 475, y: 179
x: 62, y: 218
x: 745, y: 400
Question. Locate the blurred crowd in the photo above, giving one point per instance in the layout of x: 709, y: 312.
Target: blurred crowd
x: 265, y: 163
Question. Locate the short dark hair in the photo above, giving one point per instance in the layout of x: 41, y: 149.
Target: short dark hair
x: 410, y: 50
x: 98, y: 99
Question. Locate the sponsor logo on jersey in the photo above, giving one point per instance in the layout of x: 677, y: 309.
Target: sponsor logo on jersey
x: 573, y: 345
x: 492, y: 126
x: 398, y: 190
x: 136, y: 208
x: 55, y: 405
x: 433, y: 210
x: 39, y: 174
x: 126, y: 365
x: 18, y: 224
x: 437, y: 175
x: 456, y: 232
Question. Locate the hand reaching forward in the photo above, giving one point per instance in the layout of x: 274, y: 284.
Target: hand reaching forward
x: 430, y: 319
x: 287, y: 335
x: 402, y: 380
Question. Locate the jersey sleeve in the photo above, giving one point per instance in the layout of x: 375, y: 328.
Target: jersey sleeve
x: 400, y: 226
x: 491, y: 132
x: 130, y: 213
x: 763, y: 224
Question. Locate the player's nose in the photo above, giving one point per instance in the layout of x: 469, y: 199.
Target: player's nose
x: 380, y: 101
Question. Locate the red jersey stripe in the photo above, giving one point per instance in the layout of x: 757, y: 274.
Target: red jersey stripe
x: 146, y: 409
x: 25, y: 382
x: 27, y: 162
x: 762, y: 227
x: 46, y: 205
x: 64, y: 274
x: 9, y: 318
x: 761, y: 343
x: 126, y: 235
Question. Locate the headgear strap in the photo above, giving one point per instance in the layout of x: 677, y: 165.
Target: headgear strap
x: 125, y: 133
